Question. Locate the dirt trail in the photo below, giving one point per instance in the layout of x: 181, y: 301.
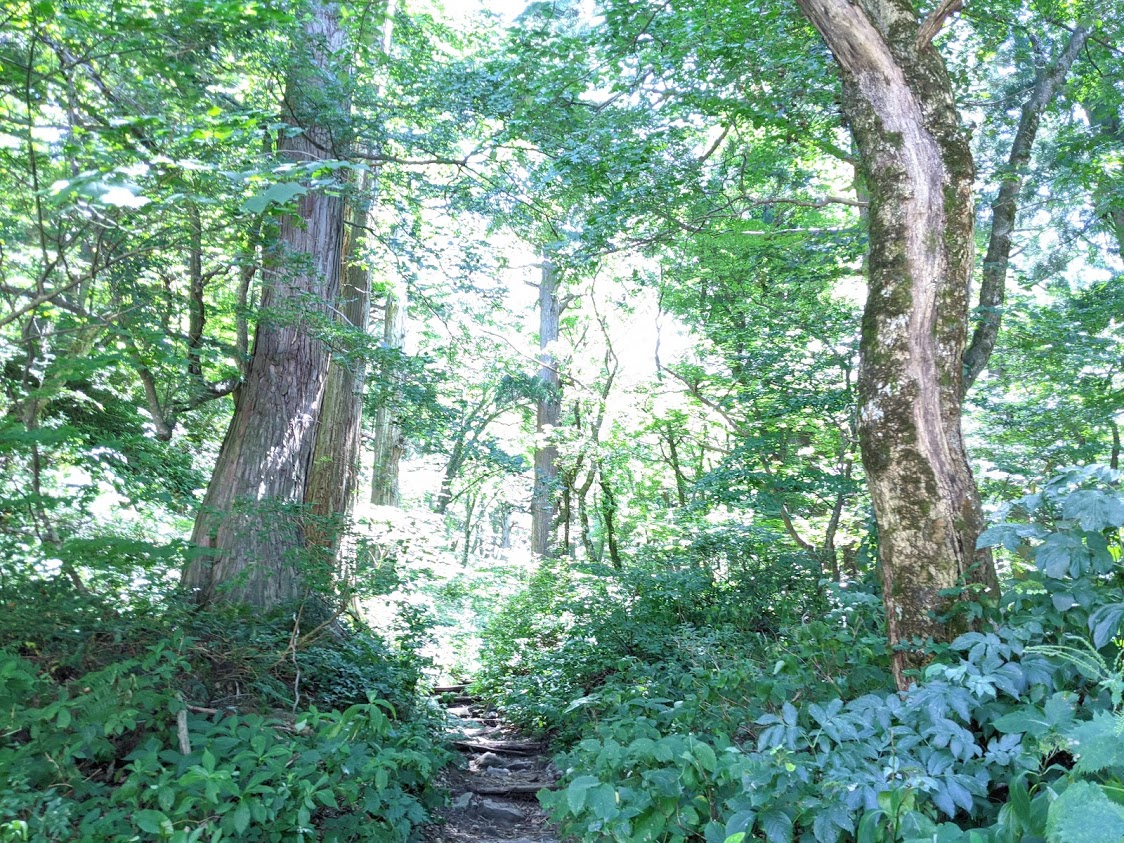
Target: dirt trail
x: 493, y: 786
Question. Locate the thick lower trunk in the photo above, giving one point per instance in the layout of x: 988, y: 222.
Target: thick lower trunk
x: 250, y: 527
x: 544, y: 505
x: 918, y: 167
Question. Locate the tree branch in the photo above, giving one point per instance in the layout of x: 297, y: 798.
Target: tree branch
x: 936, y: 20
x: 1006, y: 206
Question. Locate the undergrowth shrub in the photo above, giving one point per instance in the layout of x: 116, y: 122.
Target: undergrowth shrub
x: 1013, y: 734
x: 146, y: 719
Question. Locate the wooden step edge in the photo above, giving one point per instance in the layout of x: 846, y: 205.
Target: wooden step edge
x: 500, y: 748
x: 449, y: 689
x: 508, y: 789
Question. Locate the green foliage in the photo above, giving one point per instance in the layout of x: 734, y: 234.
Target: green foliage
x: 129, y: 717
x: 705, y: 733
x: 100, y: 757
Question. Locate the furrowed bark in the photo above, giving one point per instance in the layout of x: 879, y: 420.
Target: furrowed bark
x: 250, y: 526
x: 333, y: 477
x: 919, y: 170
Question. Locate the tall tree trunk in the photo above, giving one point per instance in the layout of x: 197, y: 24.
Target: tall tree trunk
x: 250, y: 523
x: 389, y: 444
x: 919, y: 169
x: 544, y: 504
x: 333, y: 477
x: 1006, y: 206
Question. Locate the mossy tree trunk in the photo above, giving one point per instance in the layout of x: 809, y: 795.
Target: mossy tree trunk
x: 251, y: 525
x: 918, y: 168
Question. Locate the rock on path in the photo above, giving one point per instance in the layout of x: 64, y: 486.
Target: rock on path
x: 493, y: 788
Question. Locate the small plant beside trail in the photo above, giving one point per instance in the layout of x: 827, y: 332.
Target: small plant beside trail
x: 152, y: 721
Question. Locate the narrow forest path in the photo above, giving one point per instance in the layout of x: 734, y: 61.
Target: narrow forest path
x: 493, y: 785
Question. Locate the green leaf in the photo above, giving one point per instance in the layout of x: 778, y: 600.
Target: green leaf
x: 1104, y: 623
x: 1094, y: 510
x: 275, y: 194
x: 1025, y: 719
x: 777, y: 825
x: 705, y: 757
x: 602, y: 801
x: 242, y: 818
x: 576, y: 792
x: 1057, y: 554
x: 151, y: 821
x: 1083, y: 814
x: 1099, y: 743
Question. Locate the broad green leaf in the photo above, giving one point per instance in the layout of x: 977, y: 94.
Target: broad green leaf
x: 1094, y: 510
x: 1104, y: 623
x: 275, y: 194
x: 576, y: 792
x: 1099, y: 743
x: 151, y: 821
x: 1083, y: 814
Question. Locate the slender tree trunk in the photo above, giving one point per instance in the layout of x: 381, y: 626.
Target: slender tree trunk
x: 389, y: 445
x: 505, y: 526
x: 918, y: 167
x: 676, y: 466
x: 452, y: 469
x: 1114, y: 456
x: 333, y: 477
x: 250, y: 524
x: 1006, y: 206
x: 544, y: 505
x: 1105, y: 118
x: 609, y: 517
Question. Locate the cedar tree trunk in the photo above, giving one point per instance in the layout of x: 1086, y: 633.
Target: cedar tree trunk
x: 389, y: 445
x: 333, y: 478
x: 250, y: 524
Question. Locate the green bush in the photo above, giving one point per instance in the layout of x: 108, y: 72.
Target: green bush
x: 1012, y: 735
x: 103, y: 758
x: 127, y: 715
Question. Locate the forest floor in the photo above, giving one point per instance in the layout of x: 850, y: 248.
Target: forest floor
x: 493, y: 784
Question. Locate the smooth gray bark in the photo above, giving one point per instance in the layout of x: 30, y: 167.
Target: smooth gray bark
x: 544, y: 496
